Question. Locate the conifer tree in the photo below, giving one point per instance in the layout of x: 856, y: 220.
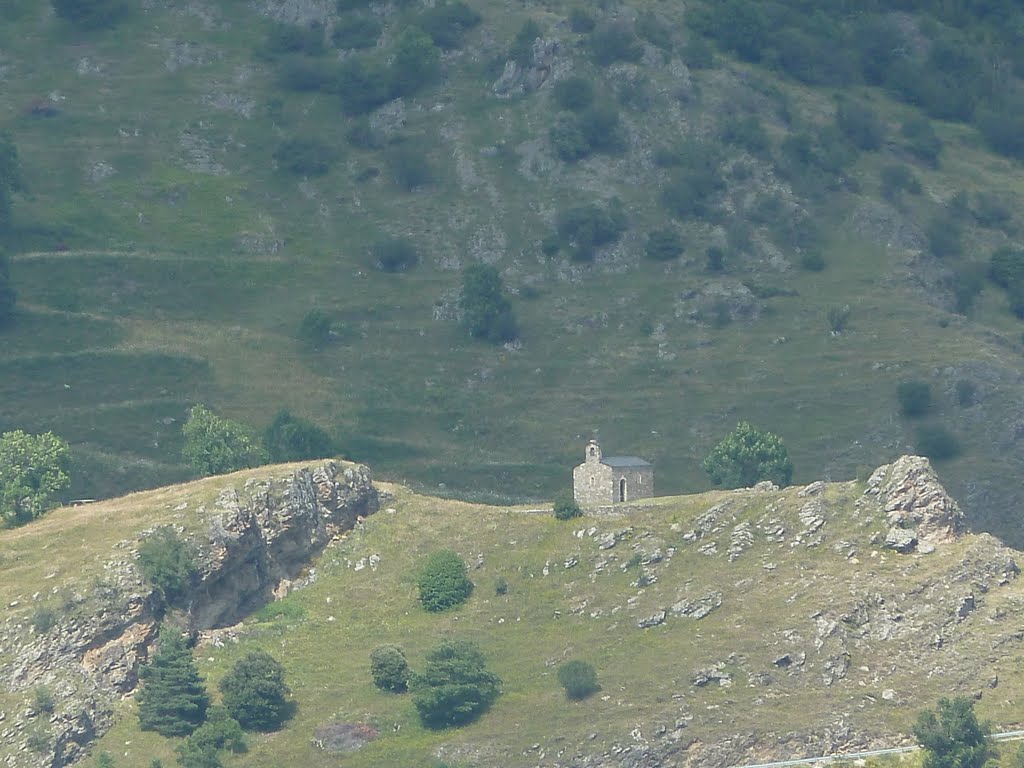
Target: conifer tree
x: 173, y: 698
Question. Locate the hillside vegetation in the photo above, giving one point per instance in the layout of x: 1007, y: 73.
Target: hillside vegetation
x: 721, y: 628
x: 732, y: 211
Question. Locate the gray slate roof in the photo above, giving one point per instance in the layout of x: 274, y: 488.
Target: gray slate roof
x: 625, y: 461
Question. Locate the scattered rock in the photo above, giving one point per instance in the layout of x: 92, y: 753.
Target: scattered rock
x: 652, y: 621
x: 699, y: 608
x: 342, y: 738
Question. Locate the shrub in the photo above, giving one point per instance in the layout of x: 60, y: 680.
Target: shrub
x: 565, y: 507
x: 216, y: 446
x: 396, y: 254
x: 410, y: 167
x: 991, y: 211
x: 168, y: 564
x: 389, y: 668
x: 283, y: 39
x: 654, y: 30
x: 614, y: 42
x: 357, y: 32
x: 573, y: 93
x: 363, y: 83
x: 715, y: 259
x: 897, y: 179
x: 255, y: 694
x: 600, y: 127
x: 455, y: 686
x: 486, y: 312
x: 361, y: 135
x: 1003, y: 130
x: 945, y: 236
x: 663, y: 244
x: 219, y: 732
x: 580, y: 21
x: 587, y: 227
x: 921, y: 139
x: 501, y: 586
x: 33, y: 470
x: 305, y: 157
x: 698, y: 54
x: 966, y: 393
x: 8, y: 296
x: 860, y: 125
x: 746, y: 457
x: 967, y: 282
x: 417, y: 62
x: 579, y: 679
x: 172, y: 699
x: 936, y: 442
x: 43, y: 700
x: 692, y: 193
x: 747, y: 133
x: 915, y: 397
x: 1006, y: 267
x: 838, y: 318
x: 90, y: 13
x: 44, y: 619
x: 447, y: 23
x: 443, y: 582
x: 305, y: 75
x: 314, y: 329
x: 292, y: 438
x: 812, y: 261
x: 521, y: 50
x: 567, y: 139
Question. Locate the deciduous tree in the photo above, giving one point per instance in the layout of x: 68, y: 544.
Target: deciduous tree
x: 748, y: 456
x: 455, y: 687
x: 33, y: 469
x: 255, y: 693
x: 214, y: 445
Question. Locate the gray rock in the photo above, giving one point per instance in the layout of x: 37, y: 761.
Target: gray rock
x: 652, y: 621
x: 699, y: 608
x: 900, y: 540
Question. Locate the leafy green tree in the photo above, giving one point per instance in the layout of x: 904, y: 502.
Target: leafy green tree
x: 292, y: 438
x: 33, y: 469
x: 748, y: 456
x: 389, y: 668
x: 315, y: 329
x: 455, y: 686
x: 952, y: 737
x: 219, y: 732
x: 168, y: 562
x: 486, y: 312
x: 255, y: 693
x: 215, y: 446
x: 8, y: 296
x: 172, y: 699
x: 579, y: 679
x: 936, y: 442
x: 443, y: 582
x: 565, y: 507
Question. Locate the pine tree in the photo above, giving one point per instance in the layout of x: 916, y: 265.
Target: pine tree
x: 173, y: 698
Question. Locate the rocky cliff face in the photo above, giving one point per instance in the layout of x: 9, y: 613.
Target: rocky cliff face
x: 258, y: 538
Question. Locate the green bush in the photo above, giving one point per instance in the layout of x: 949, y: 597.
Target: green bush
x: 565, y: 507
x: 921, y: 140
x: 654, y: 30
x: 172, y: 699
x: 579, y: 679
x: 663, y: 245
x: 255, y: 694
x: 363, y: 83
x: 43, y: 700
x: 747, y: 133
x: 486, y: 311
x: 284, y: 39
x: 936, y: 442
x: 305, y: 157
x: 896, y: 179
x: 838, y: 318
x: 314, y: 329
x: 966, y: 283
x: 992, y: 211
x: 455, y: 686
x: 746, y: 457
x: 395, y: 254
x: 812, y: 261
x: 581, y: 21
x: 966, y: 393
x: 952, y: 737
x: 292, y: 438
x: 584, y: 228
x: 216, y: 446
x: 219, y: 732
x: 573, y: 94
x: 945, y: 236
x: 693, y: 193
x: 417, y: 62
x: 567, y: 139
x: 305, y: 75
x: 44, y: 619
x: 614, y: 42
x: 168, y: 564
x: 447, y: 23
x: 860, y: 125
x: 698, y: 54
x: 915, y: 397
x: 357, y: 32
x: 361, y: 135
x: 410, y: 167
x: 600, y: 127
x: 91, y: 13
x: 1006, y: 267
x: 389, y: 668
x: 443, y: 581
x: 521, y: 50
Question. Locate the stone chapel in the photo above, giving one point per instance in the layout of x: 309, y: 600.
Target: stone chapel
x: 603, y: 480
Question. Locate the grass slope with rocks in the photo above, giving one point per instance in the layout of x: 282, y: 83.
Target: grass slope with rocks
x: 689, y: 240
x: 724, y: 627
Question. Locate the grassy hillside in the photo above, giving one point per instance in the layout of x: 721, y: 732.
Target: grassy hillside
x: 165, y: 255
x: 817, y: 638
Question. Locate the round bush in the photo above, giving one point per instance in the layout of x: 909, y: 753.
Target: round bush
x: 443, y: 581
x: 396, y: 254
x: 566, y: 508
x: 579, y: 679
x: 255, y: 692
x: 574, y: 93
x: 389, y: 668
x: 937, y: 442
x: 915, y: 397
x: 663, y: 245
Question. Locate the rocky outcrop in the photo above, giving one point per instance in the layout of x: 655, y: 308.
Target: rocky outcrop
x: 919, y: 512
x: 258, y: 538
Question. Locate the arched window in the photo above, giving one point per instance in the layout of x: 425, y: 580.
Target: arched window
x: 622, y: 489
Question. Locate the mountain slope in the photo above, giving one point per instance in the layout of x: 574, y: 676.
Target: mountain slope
x: 724, y: 627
